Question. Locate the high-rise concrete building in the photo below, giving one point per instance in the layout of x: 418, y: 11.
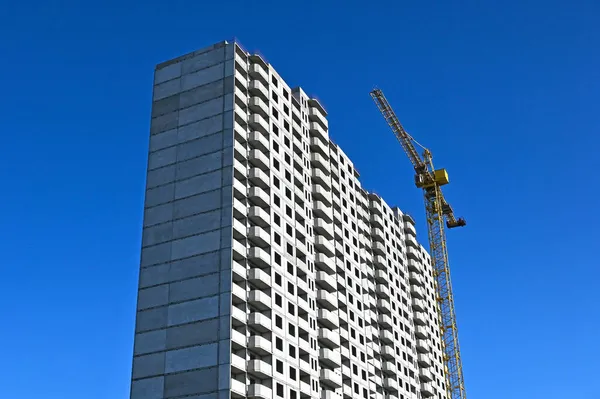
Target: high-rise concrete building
x: 267, y: 271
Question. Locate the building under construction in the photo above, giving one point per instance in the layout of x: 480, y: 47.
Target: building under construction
x: 267, y: 271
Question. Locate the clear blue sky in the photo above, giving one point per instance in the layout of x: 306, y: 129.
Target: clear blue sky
x: 506, y: 94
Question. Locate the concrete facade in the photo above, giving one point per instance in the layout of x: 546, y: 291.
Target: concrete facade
x: 266, y: 270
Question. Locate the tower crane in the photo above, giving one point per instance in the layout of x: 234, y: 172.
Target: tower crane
x: 431, y: 180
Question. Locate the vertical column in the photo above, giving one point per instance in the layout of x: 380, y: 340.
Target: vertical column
x: 183, y: 312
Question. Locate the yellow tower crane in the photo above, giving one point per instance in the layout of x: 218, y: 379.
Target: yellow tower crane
x: 431, y: 180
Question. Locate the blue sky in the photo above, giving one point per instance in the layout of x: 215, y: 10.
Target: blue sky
x: 505, y: 94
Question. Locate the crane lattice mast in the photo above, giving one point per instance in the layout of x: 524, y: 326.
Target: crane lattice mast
x: 437, y: 210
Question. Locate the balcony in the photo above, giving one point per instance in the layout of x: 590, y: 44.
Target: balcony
x: 329, y: 338
x: 409, y: 228
x: 239, y: 170
x: 386, y: 336
x: 305, y: 389
x: 411, y: 241
x: 238, y: 250
x: 296, y: 126
x: 238, y: 271
x: 382, y: 290
x: 330, y: 378
x: 324, y: 228
x: 319, y: 145
x: 415, y: 278
x: 376, y: 221
x: 421, y: 332
x: 303, y: 324
x: 258, y: 197
x: 300, y: 213
x: 259, y: 237
x: 259, y: 300
x: 424, y: 360
x: 299, y: 195
x: 238, y: 294
x: 241, y: 66
x: 321, y: 210
x: 342, y: 301
x: 389, y: 368
x: 325, y: 263
x: 298, y: 158
x: 259, y: 141
x: 238, y: 338
x: 301, y: 264
x: 326, y: 394
x: 425, y: 375
x: 238, y: 364
x: 256, y: 71
x: 259, y: 160
x: 238, y: 389
x: 259, y: 391
x: 239, y: 230
x: 238, y: 316
x: 259, y: 278
x: 259, y: 123
x: 239, y: 151
x: 258, y: 89
x: 390, y: 384
x: 298, y: 178
x: 328, y: 319
x: 259, y: 178
x: 260, y: 345
x: 259, y: 369
x: 259, y: 216
x: 320, y: 193
x: 337, y: 205
x: 423, y: 346
x: 300, y: 248
x: 385, y: 321
x: 414, y: 266
x: 375, y: 207
x: 417, y: 291
x: 327, y: 300
x: 383, y: 305
x: 259, y: 106
x: 381, y: 276
x: 418, y: 304
x: 427, y: 389
x: 387, y: 352
x: 239, y: 192
x: 259, y: 257
x: 316, y: 130
x: 419, y: 318
x: 319, y: 161
x: 412, y: 253
x: 378, y: 248
x: 240, y: 127
x: 330, y: 358
x: 326, y: 281
x: 338, y: 231
x: 347, y: 388
x: 379, y: 262
x: 377, y: 234
x: 321, y: 178
x: 317, y: 113
x: 323, y: 245
x: 260, y: 322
